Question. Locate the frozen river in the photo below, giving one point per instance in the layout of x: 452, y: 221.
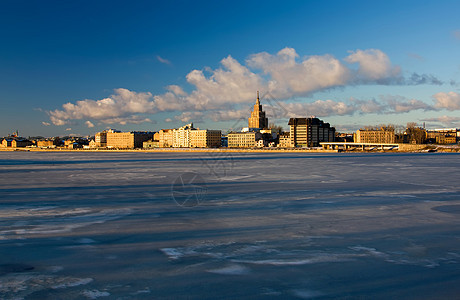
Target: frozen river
x: 229, y: 225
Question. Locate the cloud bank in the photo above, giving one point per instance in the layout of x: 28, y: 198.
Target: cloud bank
x: 449, y: 121
x: 383, y: 105
x: 122, y: 107
x: 223, y: 93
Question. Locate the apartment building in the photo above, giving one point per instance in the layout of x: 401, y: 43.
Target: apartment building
x: 165, y: 138
x: 205, y: 138
x: 381, y: 136
x: 128, y: 140
x: 309, y: 132
x: 243, y: 139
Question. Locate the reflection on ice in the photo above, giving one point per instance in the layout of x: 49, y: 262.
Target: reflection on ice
x: 231, y: 270
x: 70, y: 282
x: 260, y: 254
x: 19, y: 286
x: 62, y: 221
x: 306, y: 294
x: 94, y: 294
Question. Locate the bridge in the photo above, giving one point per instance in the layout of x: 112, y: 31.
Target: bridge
x: 359, y: 146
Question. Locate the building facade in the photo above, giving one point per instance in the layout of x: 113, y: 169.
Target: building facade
x: 182, y: 136
x: 187, y: 136
x: 128, y: 140
x: 45, y: 143
x: 443, y: 136
x: 165, y: 138
x: 15, y: 142
x: 150, y: 144
x: 298, y: 132
x: 257, y: 119
x: 284, y: 140
x: 309, y: 132
x: 205, y: 138
x: 101, y: 137
x: 6, y: 143
x: 243, y: 139
x: 446, y: 139
x: 381, y: 136
x: 92, y: 144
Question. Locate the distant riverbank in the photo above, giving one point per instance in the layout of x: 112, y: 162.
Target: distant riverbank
x: 296, y: 150
x: 421, y: 148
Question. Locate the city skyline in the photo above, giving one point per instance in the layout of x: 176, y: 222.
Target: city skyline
x: 79, y: 68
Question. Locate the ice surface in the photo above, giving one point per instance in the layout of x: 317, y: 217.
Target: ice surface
x: 94, y: 294
x: 231, y: 270
x: 88, y: 225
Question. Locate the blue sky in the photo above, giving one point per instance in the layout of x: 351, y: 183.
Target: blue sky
x: 78, y: 67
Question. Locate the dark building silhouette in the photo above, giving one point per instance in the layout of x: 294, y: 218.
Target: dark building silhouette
x: 309, y: 132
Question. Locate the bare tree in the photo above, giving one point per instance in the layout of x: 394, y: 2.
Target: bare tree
x: 415, y: 135
x: 275, y: 128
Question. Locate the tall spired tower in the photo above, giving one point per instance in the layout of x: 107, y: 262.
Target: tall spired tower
x: 258, y: 119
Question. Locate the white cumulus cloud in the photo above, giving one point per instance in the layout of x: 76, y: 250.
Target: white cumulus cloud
x: 398, y: 104
x: 190, y: 116
x: 234, y: 83
x: 120, y: 106
x: 320, y: 108
x: 89, y: 124
x: 449, y: 101
x: 230, y: 84
x: 240, y: 115
x: 368, y: 106
x: 373, y: 65
x: 290, y: 76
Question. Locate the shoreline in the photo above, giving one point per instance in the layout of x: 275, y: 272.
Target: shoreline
x: 165, y: 150
x: 442, y: 149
